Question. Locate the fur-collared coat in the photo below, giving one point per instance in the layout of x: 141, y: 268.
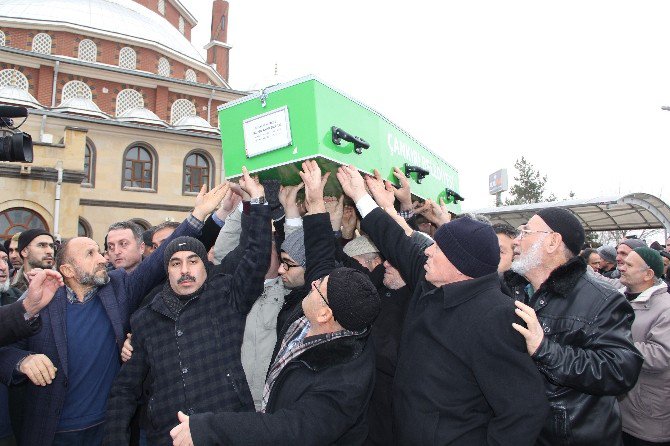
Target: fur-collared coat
x: 587, y: 355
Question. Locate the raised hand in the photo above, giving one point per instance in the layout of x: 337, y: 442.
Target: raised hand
x: 335, y: 209
x: 127, y: 350
x: 314, y: 184
x: 43, y: 286
x: 228, y: 204
x: 39, y: 369
x: 382, y: 191
x: 349, y: 222
x: 403, y: 194
x: 288, y: 197
x: 434, y: 213
x: 206, y: 202
x: 251, y: 186
x: 352, y: 182
x: 181, y: 433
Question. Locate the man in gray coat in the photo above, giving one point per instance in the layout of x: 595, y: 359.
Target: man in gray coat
x: 645, y: 411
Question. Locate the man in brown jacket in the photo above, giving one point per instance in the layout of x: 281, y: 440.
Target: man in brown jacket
x: 645, y: 410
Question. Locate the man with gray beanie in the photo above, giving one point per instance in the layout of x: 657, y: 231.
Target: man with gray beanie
x: 187, y: 341
x: 321, y: 379
x: 607, y: 261
x: 578, y: 331
x: 463, y: 376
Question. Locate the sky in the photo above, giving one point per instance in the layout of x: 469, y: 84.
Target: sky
x: 575, y: 87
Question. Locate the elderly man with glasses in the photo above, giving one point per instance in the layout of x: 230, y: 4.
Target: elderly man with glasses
x: 319, y: 384
x: 578, y: 331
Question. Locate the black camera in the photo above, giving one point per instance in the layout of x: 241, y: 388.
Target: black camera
x: 17, y: 146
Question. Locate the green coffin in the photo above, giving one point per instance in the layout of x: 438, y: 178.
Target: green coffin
x: 272, y: 132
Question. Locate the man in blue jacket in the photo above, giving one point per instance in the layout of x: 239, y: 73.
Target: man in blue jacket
x: 72, y: 362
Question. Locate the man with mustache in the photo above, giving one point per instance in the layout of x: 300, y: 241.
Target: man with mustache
x: 36, y: 247
x: 72, y: 362
x: 187, y: 341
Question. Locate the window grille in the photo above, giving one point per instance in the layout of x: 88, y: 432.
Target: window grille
x: 161, y: 6
x: 88, y: 50
x: 76, y: 89
x: 190, y: 76
x: 42, y: 43
x: 181, y: 108
x: 163, y: 67
x: 127, y: 100
x: 2, y: 38
x: 181, y: 24
x: 128, y: 58
x: 13, y: 78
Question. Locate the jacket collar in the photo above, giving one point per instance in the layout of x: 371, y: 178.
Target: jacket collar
x: 563, y: 279
x: 646, y: 294
x: 337, y: 351
x: 457, y: 293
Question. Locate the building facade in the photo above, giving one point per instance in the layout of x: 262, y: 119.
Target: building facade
x: 122, y: 112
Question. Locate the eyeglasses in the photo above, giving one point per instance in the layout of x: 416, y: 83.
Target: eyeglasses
x: 316, y: 287
x: 287, y: 266
x: 522, y: 232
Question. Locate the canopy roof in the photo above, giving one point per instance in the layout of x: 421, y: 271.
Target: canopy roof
x: 621, y: 213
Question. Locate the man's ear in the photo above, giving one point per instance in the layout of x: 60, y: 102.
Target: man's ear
x: 324, y: 315
x: 66, y: 270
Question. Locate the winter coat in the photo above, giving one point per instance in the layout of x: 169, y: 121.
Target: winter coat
x: 192, y: 358
x: 260, y: 336
x: 320, y: 397
x: 120, y: 297
x: 587, y: 355
x: 463, y: 374
x: 13, y: 325
x: 645, y: 410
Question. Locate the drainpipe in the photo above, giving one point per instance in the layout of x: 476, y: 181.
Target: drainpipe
x: 53, y: 100
x: 59, y: 182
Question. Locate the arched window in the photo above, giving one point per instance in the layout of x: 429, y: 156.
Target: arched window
x: 181, y: 108
x: 190, y: 76
x: 161, y: 6
x: 141, y: 223
x: 16, y: 220
x: 76, y: 89
x: 89, y: 164
x: 181, y: 24
x: 163, y: 67
x: 197, y: 171
x: 13, y: 78
x: 88, y: 50
x: 42, y: 43
x: 2, y: 38
x: 84, y: 228
x: 127, y: 100
x: 128, y: 58
x: 138, y: 167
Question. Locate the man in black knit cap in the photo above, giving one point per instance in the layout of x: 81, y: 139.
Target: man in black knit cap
x: 321, y: 379
x: 578, y: 331
x: 463, y: 376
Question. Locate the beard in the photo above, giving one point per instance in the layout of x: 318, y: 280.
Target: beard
x: 98, y: 278
x: 532, y: 258
x: 4, y: 286
x: 44, y: 263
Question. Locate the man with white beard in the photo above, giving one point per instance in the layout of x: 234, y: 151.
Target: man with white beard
x: 578, y: 331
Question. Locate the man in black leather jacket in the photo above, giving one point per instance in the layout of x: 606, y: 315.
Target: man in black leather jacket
x: 578, y: 331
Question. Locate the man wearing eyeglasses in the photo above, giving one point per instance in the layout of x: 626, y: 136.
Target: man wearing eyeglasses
x: 578, y: 331
x: 321, y: 379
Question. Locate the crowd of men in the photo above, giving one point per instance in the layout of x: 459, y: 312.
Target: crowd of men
x: 277, y: 315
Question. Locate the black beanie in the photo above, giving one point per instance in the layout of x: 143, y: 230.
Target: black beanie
x: 184, y: 243
x: 470, y: 245
x: 28, y: 236
x: 353, y: 298
x: 565, y: 223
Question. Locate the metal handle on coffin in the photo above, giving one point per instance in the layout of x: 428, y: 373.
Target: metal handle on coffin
x: 358, y: 142
x: 452, y: 195
x: 421, y: 173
